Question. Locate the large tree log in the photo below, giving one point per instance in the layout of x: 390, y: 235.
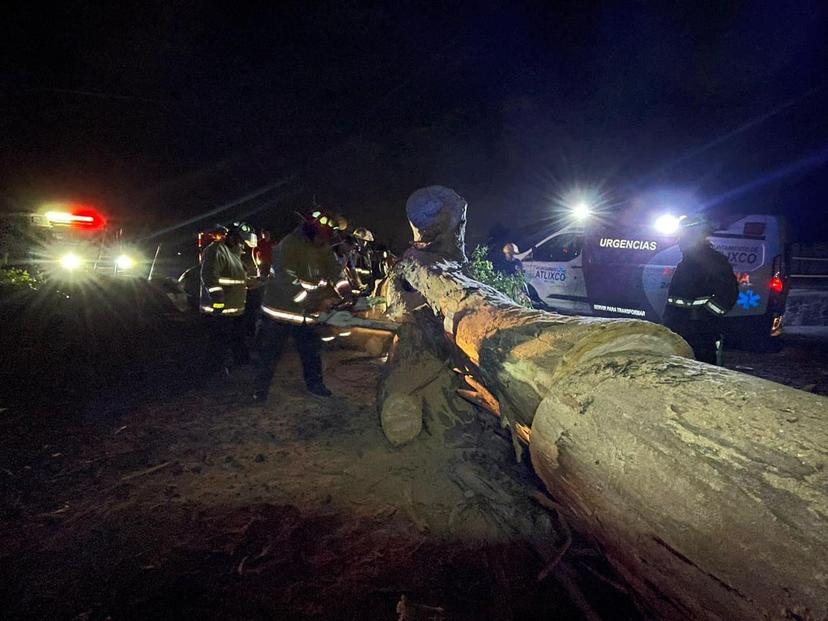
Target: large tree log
x: 519, y: 351
x: 706, y: 488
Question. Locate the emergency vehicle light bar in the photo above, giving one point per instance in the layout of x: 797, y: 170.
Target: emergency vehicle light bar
x: 60, y: 217
x: 74, y: 215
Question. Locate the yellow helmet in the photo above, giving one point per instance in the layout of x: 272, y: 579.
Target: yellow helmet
x: 364, y: 234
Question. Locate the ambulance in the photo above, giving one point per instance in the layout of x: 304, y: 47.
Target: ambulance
x: 622, y: 270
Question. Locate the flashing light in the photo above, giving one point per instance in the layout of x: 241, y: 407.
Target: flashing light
x: 75, y: 215
x: 667, y: 224
x: 61, y: 217
x: 581, y: 211
x: 777, y: 285
x: 124, y: 262
x: 70, y: 261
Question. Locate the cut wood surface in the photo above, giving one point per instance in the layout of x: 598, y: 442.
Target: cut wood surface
x: 413, y: 363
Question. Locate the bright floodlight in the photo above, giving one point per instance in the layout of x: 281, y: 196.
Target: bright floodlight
x: 70, y: 261
x: 124, y: 262
x: 667, y: 224
x: 581, y: 211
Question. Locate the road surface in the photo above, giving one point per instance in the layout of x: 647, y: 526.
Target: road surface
x: 802, y: 361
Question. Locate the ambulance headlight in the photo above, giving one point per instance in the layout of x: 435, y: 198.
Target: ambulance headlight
x: 581, y: 211
x: 667, y: 224
x: 124, y: 262
x: 70, y: 261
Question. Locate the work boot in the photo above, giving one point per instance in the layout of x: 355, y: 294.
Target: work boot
x: 320, y: 390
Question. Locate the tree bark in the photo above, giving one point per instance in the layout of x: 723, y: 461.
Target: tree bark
x: 519, y: 352
x: 706, y: 488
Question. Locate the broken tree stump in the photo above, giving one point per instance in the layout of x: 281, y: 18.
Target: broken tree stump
x: 706, y: 488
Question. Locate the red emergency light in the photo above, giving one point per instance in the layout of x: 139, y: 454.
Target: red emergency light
x: 777, y: 285
x: 207, y: 238
x: 75, y: 215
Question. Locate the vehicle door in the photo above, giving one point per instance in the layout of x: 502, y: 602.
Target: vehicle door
x: 554, y: 272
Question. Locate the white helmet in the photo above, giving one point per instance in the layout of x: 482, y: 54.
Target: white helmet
x: 511, y: 247
x: 364, y: 234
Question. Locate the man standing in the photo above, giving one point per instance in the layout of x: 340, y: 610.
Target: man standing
x: 510, y: 264
x: 263, y: 253
x: 306, y: 280
x: 703, y: 289
x: 364, y: 258
x: 224, y: 294
x: 345, y: 251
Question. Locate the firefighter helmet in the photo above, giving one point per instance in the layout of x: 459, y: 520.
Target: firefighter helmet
x: 364, y: 234
x: 243, y: 231
x: 341, y: 223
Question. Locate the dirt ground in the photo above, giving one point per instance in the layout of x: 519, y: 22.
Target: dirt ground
x: 134, y: 487
x: 170, y: 496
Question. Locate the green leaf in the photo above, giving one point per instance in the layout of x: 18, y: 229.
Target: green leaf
x: 513, y: 286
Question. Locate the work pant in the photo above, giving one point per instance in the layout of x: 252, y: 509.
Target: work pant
x: 252, y: 310
x: 226, y: 340
x: 699, y: 328
x: 271, y: 341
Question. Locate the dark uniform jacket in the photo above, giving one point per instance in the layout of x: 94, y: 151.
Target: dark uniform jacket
x: 703, y: 284
x: 303, y: 275
x: 223, y: 281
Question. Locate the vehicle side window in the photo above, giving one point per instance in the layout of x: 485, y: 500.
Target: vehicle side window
x: 560, y: 249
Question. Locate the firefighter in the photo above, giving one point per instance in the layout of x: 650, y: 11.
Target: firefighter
x: 703, y: 289
x: 224, y: 293
x: 383, y: 262
x: 306, y: 279
x: 345, y: 251
x: 364, y: 260
x: 263, y: 253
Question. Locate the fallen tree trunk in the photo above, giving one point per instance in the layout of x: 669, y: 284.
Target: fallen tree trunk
x: 519, y: 352
x: 706, y: 488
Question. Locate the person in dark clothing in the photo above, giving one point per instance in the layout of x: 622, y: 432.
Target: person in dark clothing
x: 509, y: 264
x: 306, y: 279
x: 703, y: 289
x: 263, y: 253
x: 223, y: 296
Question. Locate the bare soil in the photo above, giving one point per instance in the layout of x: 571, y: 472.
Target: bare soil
x: 132, y: 486
x: 168, y: 495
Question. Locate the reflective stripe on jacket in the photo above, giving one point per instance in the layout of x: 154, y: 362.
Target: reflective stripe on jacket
x: 703, y: 280
x: 303, y: 275
x: 223, y: 281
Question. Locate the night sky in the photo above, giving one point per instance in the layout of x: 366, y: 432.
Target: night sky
x: 159, y: 113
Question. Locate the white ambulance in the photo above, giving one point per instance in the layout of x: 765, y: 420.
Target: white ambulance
x: 625, y: 271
